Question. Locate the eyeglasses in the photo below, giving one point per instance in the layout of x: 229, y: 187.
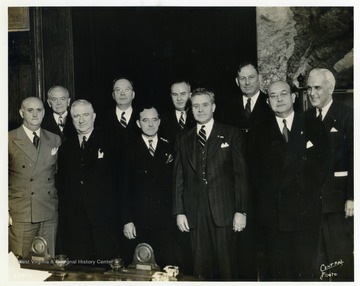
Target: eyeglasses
x: 282, y: 94
x: 120, y: 90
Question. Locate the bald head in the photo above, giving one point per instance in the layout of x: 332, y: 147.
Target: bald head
x: 32, y: 112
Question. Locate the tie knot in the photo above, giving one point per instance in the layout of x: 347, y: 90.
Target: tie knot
x: 150, y: 141
x: 249, y: 100
x: 284, y: 120
x: 123, y: 113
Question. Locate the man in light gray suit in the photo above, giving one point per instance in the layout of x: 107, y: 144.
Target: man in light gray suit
x: 32, y: 194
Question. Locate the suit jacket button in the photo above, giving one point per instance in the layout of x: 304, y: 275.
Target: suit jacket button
x: 82, y: 182
x: 32, y: 193
x: 23, y: 166
x: 31, y: 179
x: 49, y: 192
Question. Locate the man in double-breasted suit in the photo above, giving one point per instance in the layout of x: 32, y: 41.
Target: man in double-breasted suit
x: 147, y: 189
x: 286, y: 162
x: 59, y: 120
x: 210, y: 189
x: 181, y: 117
x: 33, y: 201
x: 335, y: 126
x: 87, y: 203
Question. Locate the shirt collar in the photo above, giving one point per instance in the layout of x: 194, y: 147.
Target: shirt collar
x: 56, y: 116
x: 289, y: 121
x: 208, y: 127
x: 253, y: 100
x: 324, y: 110
x: 127, y: 114
x: 178, y: 114
x: 30, y: 134
x: 154, y: 139
x: 87, y: 135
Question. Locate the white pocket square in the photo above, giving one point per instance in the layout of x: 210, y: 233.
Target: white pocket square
x: 54, y: 151
x: 333, y: 130
x: 224, y: 145
x: 309, y: 144
x: 100, y: 154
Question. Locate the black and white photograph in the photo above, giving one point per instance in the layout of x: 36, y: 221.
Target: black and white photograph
x: 178, y: 141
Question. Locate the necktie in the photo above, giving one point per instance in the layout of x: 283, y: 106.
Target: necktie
x: 285, y: 132
x: 248, y: 108
x: 123, y: 120
x: 151, y: 148
x: 320, y: 115
x: 36, y: 139
x: 83, y: 143
x: 61, y: 123
x: 202, y: 136
x: 182, y: 120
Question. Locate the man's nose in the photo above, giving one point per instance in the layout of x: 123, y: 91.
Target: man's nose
x: 178, y: 98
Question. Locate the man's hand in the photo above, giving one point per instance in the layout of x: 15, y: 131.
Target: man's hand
x: 349, y: 208
x: 130, y: 230
x: 182, y: 223
x: 239, y: 222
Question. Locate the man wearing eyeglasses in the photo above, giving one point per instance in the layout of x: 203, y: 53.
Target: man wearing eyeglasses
x: 287, y: 164
x: 146, y: 187
x: 58, y: 121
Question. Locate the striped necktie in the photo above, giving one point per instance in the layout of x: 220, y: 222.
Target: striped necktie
x: 202, y: 136
x: 182, y: 120
x: 151, y: 148
x: 123, y: 120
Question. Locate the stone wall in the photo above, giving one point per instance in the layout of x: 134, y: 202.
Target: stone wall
x: 293, y: 40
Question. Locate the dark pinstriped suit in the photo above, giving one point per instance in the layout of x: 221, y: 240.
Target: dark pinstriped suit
x: 337, y: 231
x: 224, y: 194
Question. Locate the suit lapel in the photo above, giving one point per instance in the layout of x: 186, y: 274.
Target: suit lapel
x: 190, y: 142
x: 24, y: 143
x: 214, y: 141
x: 295, y: 139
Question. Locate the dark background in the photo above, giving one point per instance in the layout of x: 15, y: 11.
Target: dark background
x: 155, y: 45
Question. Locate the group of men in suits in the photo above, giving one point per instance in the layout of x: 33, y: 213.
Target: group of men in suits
x: 273, y: 185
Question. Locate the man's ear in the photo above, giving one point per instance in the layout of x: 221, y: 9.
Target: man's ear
x: 213, y: 107
x: 21, y: 112
x: 138, y: 123
x: 48, y: 102
x: 237, y: 81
